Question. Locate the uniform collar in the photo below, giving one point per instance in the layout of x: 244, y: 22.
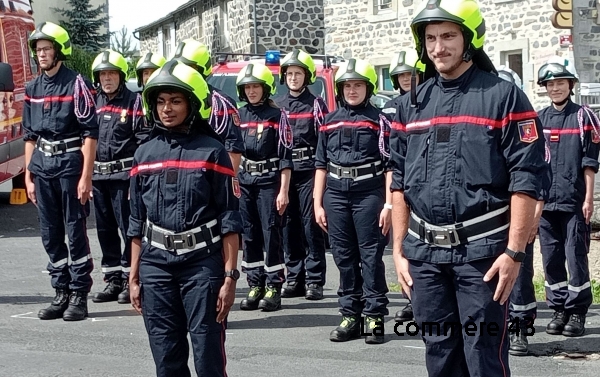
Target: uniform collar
x: 567, y: 109
x: 304, y: 95
x: 118, y: 97
x: 458, y: 83
x: 59, y: 73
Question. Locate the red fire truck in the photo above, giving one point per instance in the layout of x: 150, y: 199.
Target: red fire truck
x: 16, y: 24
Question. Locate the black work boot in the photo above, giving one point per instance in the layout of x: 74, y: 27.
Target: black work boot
x: 123, y: 297
x: 294, y: 289
x: 518, y: 344
x: 405, y: 314
x: 314, y: 292
x: 110, y: 293
x: 557, y: 325
x: 77, y: 310
x: 251, y: 301
x: 575, y: 326
x: 374, y: 326
x: 57, y: 307
x: 272, y: 299
x: 348, y: 329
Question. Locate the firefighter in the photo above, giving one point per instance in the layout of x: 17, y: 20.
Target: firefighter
x: 352, y: 200
x: 523, y: 305
x: 185, y: 225
x: 466, y: 146
x: 264, y: 180
x: 572, y: 131
x: 146, y: 66
x: 122, y: 130
x: 224, y: 119
x: 401, y: 75
x: 304, y: 250
x: 60, y: 145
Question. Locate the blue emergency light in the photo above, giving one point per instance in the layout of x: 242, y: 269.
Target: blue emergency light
x: 272, y: 57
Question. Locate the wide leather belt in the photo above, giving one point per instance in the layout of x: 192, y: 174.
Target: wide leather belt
x: 111, y: 167
x: 302, y: 154
x: 460, y: 233
x: 260, y: 167
x: 356, y: 173
x: 53, y: 148
x: 182, y: 243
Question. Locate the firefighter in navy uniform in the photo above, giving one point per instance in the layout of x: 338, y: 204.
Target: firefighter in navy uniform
x: 264, y: 178
x: 401, y: 75
x: 224, y: 118
x: 122, y: 130
x: 467, y: 146
x: 572, y: 133
x: 146, y: 66
x: 185, y: 224
x: 352, y: 200
x: 304, y: 250
x: 522, y: 300
x: 60, y: 144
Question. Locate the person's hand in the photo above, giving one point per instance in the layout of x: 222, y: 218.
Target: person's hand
x: 404, y: 278
x: 84, y: 189
x: 321, y: 218
x: 534, y: 231
x: 588, y: 210
x: 282, y: 202
x: 30, y: 188
x: 385, y: 220
x: 225, y: 299
x: 135, y: 296
x: 507, y: 270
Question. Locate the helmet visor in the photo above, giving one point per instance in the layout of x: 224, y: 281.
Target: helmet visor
x: 552, y: 70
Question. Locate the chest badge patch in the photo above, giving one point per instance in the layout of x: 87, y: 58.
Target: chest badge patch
x: 595, y: 136
x: 235, y: 117
x: 527, y: 131
x: 236, y: 188
x: 123, y: 115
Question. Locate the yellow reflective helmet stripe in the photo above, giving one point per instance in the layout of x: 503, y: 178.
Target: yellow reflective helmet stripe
x: 302, y: 59
x: 405, y: 61
x: 52, y: 32
x: 192, y: 52
x: 256, y: 74
x: 356, y: 69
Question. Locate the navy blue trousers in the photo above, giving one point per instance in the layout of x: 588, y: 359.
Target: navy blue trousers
x: 522, y: 298
x: 263, y: 260
x: 58, y: 208
x: 179, y: 296
x: 304, y: 250
x: 111, y: 206
x: 566, y: 236
x: 455, y: 293
x: 357, y: 246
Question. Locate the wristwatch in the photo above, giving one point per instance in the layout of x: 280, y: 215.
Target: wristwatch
x: 517, y: 256
x: 234, y: 274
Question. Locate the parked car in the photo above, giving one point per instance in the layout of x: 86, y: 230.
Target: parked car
x: 382, y: 97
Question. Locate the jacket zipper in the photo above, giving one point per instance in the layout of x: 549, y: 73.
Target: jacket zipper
x: 425, y: 156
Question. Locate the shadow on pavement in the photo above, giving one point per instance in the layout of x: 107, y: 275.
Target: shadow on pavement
x: 25, y: 300
x: 116, y: 313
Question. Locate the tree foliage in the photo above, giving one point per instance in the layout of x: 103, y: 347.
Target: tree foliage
x: 84, y: 24
x: 121, y: 42
x: 81, y: 61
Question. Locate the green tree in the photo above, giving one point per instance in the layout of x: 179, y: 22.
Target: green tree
x: 81, y: 61
x: 84, y: 24
x: 121, y: 42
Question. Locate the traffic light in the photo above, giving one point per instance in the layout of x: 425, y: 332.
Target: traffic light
x: 563, y: 17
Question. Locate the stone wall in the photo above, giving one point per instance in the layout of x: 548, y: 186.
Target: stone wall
x: 149, y: 41
x: 288, y: 24
x: 240, y: 34
x: 586, y: 38
x: 353, y: 30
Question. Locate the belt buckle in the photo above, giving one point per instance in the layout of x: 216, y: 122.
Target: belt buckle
x: 189, y: 240
x: 50, y: 148
x: 105, y: 168
x: 350, y: 173
x: 442, y: 237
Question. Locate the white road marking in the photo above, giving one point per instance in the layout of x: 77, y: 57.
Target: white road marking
x: 24, y: 316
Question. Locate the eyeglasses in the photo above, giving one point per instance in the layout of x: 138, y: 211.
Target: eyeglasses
x: 45, y: 50
x: 294, y: 74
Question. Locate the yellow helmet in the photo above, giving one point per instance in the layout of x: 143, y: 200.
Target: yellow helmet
x: 179, y: 76
x: 465, y: 13
x: 194, y: 54
x: 302, y: 59
x: 109, y: 60
x: 255, y: 74
x: 149, y: 61
x: 405, y: 61
x: 55, y: 34
x: 356, y: 69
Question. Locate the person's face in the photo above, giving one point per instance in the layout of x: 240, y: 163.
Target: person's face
x: 445, y: 46
x: 355, y: 92
x: 146, y: 73
x: 172, y: 108
x: 558, y: 90
x: 294, y: 77
x: 404, y: 81
x: 109, y: 81
x: 45, y: 53
x: 254, y: 93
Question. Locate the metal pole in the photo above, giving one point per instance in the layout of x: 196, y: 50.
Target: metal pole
x: 255, y: 34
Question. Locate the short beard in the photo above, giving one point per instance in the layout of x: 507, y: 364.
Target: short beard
x: 452, y: 68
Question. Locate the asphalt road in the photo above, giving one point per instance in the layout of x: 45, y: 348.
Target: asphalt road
x: 291, y: 342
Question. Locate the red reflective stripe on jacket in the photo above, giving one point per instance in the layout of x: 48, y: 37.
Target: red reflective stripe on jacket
x: 229, y: 111
x: 49, y: 99
x: 117, y: 110
x: 398, y: 126
x: 300, y: 116
x: 332, y: 126
x: 256, y: 124
x: 473, y: 120
x: 181, y: 165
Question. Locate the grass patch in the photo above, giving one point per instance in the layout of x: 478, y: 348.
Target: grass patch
x: 540, y: 290
x: 394, y: 287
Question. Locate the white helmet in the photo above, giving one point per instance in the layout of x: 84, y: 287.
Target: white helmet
x: 508, y: 74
